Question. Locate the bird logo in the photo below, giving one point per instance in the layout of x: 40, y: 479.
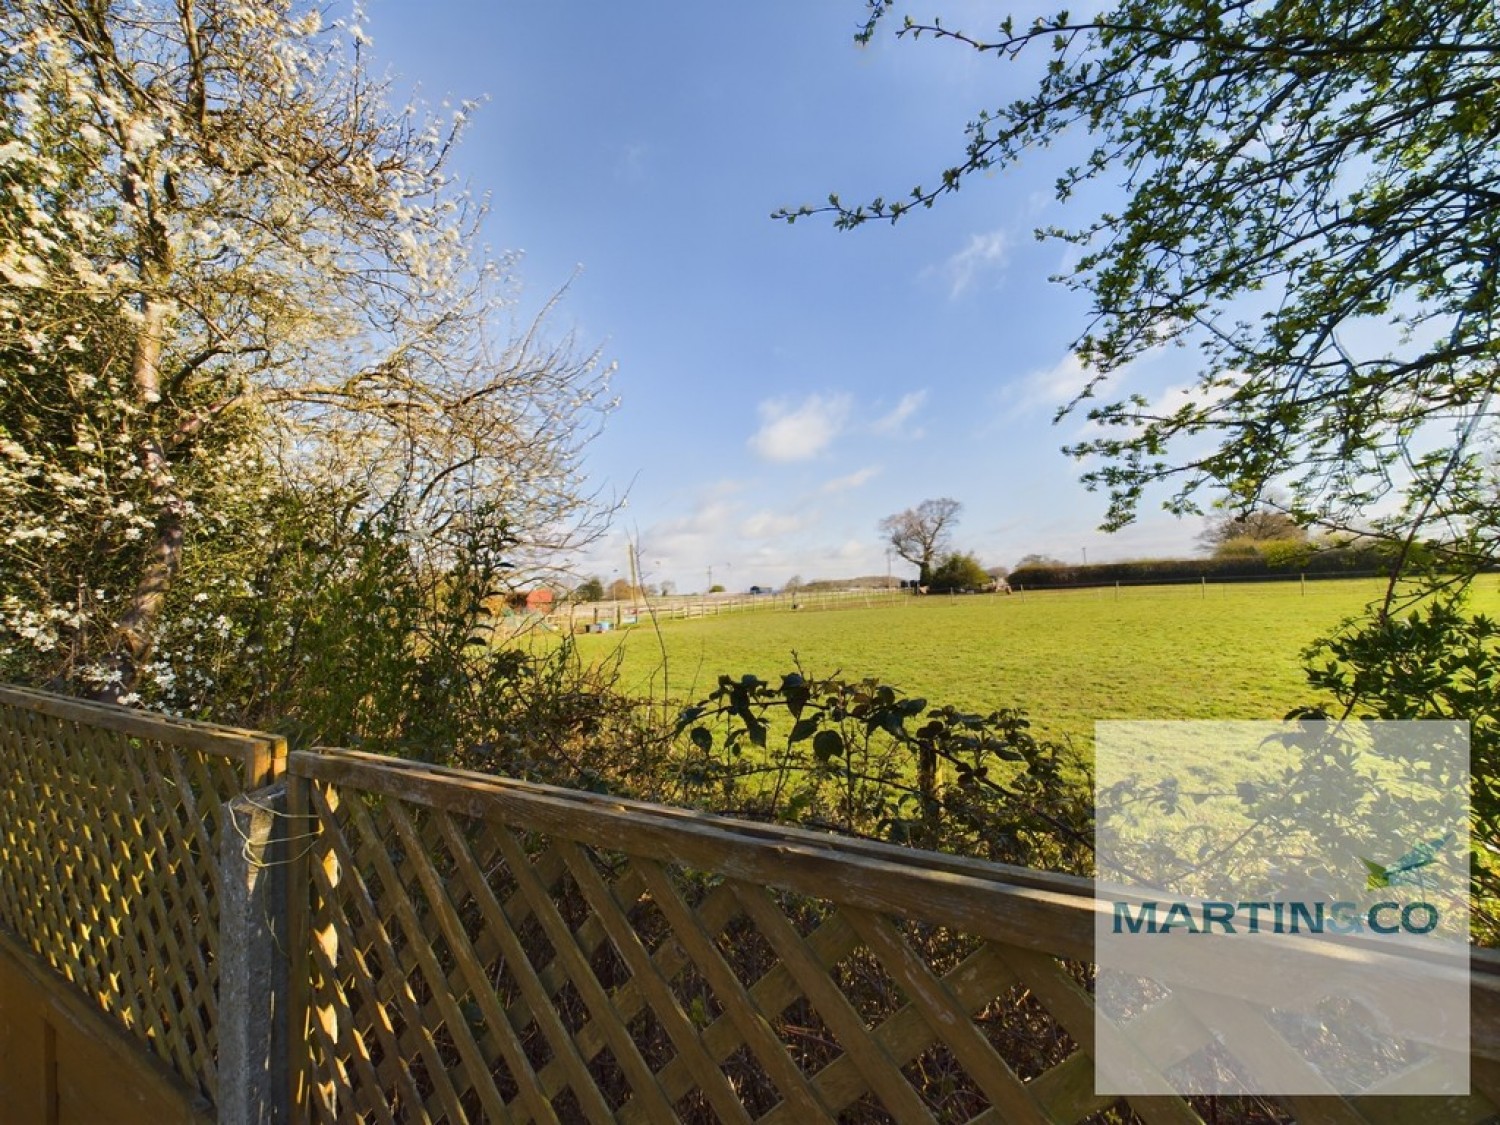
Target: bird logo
x: 1408, y: 869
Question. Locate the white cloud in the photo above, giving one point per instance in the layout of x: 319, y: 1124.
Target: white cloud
x: 908, y: 406
x: 1050, y: 387
x: 852, y: 480
x: 708, y: 522
x: 796, y: 433
x: 1176, y: 395
x: 708, y: 518
x: 984, y: 253
x: 1167, y: 400
x: 772, y: 525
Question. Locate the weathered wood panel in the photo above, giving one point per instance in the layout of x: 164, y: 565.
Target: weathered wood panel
x: 486, y: 948
x: 262, y: 755
x: 110, y: 827
x: 62, y: 1062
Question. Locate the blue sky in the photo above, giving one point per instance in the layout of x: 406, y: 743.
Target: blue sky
x: 782, y: 387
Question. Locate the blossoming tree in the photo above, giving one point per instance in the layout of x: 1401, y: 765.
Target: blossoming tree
x: 228, y: 269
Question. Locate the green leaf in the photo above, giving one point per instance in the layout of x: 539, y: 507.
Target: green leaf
x: 804, y: 729
x: 828, y: 744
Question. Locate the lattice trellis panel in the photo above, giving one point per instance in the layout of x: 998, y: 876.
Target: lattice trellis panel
x: 485, y: 950
x: 109, y: 843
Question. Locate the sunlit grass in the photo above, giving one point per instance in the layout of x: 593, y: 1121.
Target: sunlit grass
x: 1066, y: 658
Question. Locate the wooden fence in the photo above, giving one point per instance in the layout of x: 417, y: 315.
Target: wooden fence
x: 578, y: 617
x: 462, y: 947
x: 110, y: 833
x: 611, y: 615
x: 485, y: 949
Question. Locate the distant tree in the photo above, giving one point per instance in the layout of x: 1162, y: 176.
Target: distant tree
x: 793, y: 584
x: 959, y: 572
x: 997, y: 572
x: 667, y: 587
x: 620, y: 590
x: 920, y: 534
x: 591, y: 590
x: 716, y: 588
x: 1039, y: 560
x: 1233, y: 532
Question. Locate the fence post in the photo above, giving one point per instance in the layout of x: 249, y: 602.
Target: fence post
x: 253, y: 976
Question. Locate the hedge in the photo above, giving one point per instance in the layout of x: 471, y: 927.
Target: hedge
x: 1328, y: 562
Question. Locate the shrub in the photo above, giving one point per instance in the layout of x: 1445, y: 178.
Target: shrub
x: 1238, y: 549
x: 1438, y: 662
x: 1287, y: 554
x: 958, y: 572
x: 327, y: 626
x: 860, y: 758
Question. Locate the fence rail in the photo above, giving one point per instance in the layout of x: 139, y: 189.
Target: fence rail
x: 110, y: 830
x: 587, y: 616
x: 487, y: 949
x: 461, y: 947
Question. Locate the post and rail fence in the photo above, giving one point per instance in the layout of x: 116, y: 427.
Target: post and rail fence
x: 413, y: 943
x: 581, y: 617
x: 608, y: 616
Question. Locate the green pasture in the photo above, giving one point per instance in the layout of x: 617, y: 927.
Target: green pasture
x: 1067, y: 658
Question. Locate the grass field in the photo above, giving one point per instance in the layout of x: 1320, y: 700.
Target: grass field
x: 1067, y: 658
